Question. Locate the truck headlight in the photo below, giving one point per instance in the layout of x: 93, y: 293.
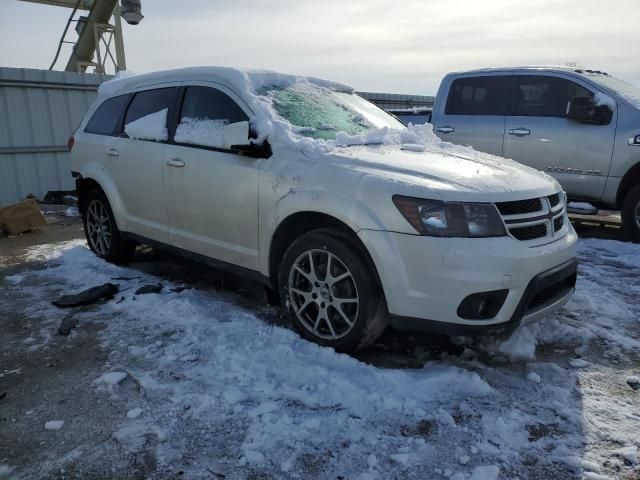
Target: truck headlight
x: 446, y: 219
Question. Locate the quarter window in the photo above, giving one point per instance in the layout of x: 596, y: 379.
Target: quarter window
x: 542, y: 96
x: 486, y: 95
x: 205, y: 112
x: 104, y: 120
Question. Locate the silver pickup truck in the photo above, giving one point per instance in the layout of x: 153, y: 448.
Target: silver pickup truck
x: 581, y: 126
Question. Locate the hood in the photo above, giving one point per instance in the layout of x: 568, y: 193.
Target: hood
x: 460, y: 175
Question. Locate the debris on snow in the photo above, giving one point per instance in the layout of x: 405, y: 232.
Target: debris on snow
x: 157, y: 288
x: 69, y: 322
x: 88, y: 296
x: 54, y: 425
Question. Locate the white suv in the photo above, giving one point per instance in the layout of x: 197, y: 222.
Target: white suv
x: 356, y: 220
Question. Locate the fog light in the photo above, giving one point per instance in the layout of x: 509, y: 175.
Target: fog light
x: 482, y: 305
x: 635, y: 140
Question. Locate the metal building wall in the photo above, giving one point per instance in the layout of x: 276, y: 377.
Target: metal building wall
x: 394, y: 101
x: 39, y: 109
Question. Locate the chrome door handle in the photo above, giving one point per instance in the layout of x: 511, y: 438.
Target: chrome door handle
x: 519, y: 132
x: 446, y: 129
x: 112, y: 152
x: 175, y: 162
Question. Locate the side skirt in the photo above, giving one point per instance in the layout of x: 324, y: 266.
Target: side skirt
x: 196, y: 257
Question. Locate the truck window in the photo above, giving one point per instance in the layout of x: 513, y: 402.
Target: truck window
x: 106, y: 117
x: 544, y: 96
x: 486, y: 95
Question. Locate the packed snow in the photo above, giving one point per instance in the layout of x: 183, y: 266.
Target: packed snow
x: 149, y: 127
x: 54, y: 425
x: 201, y: 131
x: 218, y: 388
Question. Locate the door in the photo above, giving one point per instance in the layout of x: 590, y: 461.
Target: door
x: 539, y: 134
x: 474, y: 114
x: 137, y: 162
x: 212, y: 192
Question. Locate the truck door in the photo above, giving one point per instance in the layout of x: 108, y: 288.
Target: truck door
x: 539, y: 134
x: 474, y: 112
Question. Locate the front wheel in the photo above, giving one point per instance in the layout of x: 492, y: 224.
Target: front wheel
x: 330, y: 292
x: 102, y: 233
x: 631, y: 214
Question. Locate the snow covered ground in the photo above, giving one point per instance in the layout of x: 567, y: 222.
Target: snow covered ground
x: 200, y: 386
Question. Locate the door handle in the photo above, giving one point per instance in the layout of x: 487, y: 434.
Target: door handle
x: 175, y: 162
x: 112, y: 152
x: 445, y: 129
x: 519, y: 132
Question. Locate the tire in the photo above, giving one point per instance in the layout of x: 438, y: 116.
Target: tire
x: 631, y: 214
x: 101, y: 231
x: 344, y: 310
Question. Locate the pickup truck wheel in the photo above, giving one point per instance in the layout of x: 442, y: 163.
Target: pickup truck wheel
x: 329, y: 292
x: 631, y: 214
x: 101, y: 231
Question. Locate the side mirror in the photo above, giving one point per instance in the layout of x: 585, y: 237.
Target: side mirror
x: 236, y: 134
x: 584, y: 110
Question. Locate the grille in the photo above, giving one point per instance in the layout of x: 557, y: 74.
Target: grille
x: 520, y: 206
x: 554, y: 200
x: 551, y: 293
x: 529, y: 233
x: 558, y: 223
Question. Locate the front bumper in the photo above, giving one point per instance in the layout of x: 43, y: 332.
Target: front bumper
x: 426, y: 278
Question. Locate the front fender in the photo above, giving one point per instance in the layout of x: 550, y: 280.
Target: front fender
x: 347, y: 209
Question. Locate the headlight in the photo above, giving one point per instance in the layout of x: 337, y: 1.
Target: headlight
x: 444, y: 219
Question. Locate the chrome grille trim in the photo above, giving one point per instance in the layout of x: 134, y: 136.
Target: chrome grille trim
x: 551, y: 214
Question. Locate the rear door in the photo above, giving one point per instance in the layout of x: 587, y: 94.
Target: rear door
x: 136, y: 161
x: 539, y: 134
x: 474, y: 113
x: 212, y: 191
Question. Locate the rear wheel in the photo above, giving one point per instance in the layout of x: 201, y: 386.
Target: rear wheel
x: 330, y: 293
x: 631, y: 214
x: 101, y: 231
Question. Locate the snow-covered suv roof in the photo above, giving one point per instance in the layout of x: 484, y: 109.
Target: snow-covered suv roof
x: 239, y: 79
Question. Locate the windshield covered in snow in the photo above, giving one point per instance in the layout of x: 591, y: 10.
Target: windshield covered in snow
x: 322, y: 113
x: 627, y: 91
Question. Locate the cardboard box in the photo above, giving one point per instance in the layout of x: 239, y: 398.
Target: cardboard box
x: 21, y: 216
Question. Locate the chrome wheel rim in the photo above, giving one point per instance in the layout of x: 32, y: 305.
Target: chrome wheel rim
x: 323, y: 294
x: 98, y: 227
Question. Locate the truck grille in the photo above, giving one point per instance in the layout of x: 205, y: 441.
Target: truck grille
x: 535, y: 220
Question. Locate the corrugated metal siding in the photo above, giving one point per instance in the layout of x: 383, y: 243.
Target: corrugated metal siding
x: 398, y: 101
x: 39, y: 109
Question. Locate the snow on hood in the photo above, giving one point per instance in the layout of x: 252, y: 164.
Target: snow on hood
x: 416, y: 156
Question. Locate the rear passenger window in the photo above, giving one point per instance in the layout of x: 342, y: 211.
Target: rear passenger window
x: 146, y: 117
x: 541, y: 96
x: 478, y: 96
x: 104, y: 120
x: 205, y: 112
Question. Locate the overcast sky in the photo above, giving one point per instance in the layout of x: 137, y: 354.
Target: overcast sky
x: 373, y: 45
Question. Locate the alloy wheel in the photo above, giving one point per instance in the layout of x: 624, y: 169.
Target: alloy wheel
x: 99, y: 227
x: 323, y: 294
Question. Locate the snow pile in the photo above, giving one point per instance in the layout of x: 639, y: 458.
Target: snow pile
x: 254, y: 399
x: 149, y: 127
x: 201, y: 131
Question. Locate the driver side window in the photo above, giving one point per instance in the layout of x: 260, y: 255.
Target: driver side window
x: 545, y: 96
x: 204, y: 114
